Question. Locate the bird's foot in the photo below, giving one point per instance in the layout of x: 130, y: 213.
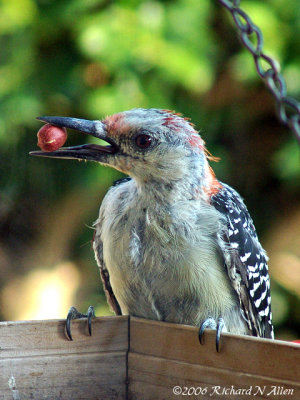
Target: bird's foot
x: 210, y: 323
x: 75, y: 314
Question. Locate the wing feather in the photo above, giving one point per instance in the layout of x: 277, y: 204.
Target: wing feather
x: 111, y: 298
x: 246, y: 262
x: 98, y: 248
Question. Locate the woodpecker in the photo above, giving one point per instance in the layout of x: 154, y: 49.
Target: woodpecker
x: 172, y: 242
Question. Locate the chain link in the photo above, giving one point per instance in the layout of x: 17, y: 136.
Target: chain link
x: 268, y: 69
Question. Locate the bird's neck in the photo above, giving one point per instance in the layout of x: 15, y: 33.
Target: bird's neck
x: 197, y: 183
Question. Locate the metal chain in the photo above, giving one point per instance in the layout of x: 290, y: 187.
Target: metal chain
x: 288, y: 108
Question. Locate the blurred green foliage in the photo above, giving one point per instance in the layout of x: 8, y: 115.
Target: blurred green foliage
x: 93, y: 58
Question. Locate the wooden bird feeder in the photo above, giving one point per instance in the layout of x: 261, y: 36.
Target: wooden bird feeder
x: 136, y: 359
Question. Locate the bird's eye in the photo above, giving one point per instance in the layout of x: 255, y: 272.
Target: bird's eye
x: 143, y: 141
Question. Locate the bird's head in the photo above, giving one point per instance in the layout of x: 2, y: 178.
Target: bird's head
x: 147, y: 144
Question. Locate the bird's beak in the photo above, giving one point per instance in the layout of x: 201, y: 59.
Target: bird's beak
x: 93, y: 152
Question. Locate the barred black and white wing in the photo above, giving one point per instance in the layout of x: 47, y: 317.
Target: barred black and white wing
x: 246, y: 262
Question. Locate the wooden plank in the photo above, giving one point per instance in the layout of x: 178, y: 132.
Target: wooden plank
x: 38, y: 362
x: 81, y: 376
x: 153, y: 378
x: 249, y: 359
x: 37, y: 338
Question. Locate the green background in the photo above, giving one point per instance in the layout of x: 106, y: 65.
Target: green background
x: 90, y: 59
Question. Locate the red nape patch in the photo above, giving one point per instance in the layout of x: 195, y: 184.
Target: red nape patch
x: 115, y: 124
x: 196, y: 141
x: 210, y: 157
x: 214, y: 186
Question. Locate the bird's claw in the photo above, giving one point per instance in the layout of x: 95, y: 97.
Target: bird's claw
x: 90, y: 315
x: 220, y: 326
x: 208, y: 323
x: 75, y: 314
x: 211, y: 324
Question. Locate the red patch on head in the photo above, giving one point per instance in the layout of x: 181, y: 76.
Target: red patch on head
x: 175, y: 121
x: 172, y: 122
x: 196, y: 141
x: 168, y: 121
x: 115, y: 124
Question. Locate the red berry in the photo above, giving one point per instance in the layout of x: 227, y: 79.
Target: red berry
x: 51, y: 138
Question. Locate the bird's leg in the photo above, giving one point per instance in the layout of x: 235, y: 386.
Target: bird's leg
x: 210, y: 323
x: 75, y: 314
